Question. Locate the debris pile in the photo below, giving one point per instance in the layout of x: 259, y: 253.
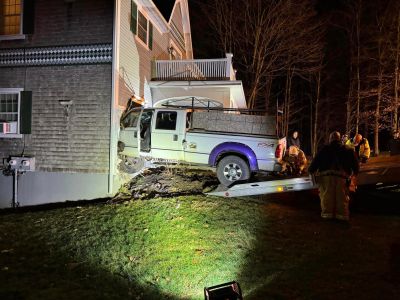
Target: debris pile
x: 167, y: 182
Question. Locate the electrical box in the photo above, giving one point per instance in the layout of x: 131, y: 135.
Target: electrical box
x: 22, y: 163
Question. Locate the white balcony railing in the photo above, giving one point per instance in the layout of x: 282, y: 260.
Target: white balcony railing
x: 196, y: 69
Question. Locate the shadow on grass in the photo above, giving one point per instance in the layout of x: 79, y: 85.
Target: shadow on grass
x: 53, y: 206
x: 80, y: 282
x: 48, y: 271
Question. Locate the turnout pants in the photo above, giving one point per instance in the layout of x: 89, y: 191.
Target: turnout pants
x: 333, y: 193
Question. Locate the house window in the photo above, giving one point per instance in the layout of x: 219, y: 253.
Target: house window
x: 10, y: 17
x: 15, y: 112
x: 9, y: 107
x: 141, y: 26
x: 9, y: 112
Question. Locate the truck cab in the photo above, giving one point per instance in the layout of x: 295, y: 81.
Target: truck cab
x: 153, y: 133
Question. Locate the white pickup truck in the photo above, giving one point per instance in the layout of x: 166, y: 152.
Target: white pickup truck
x: 168, y: 135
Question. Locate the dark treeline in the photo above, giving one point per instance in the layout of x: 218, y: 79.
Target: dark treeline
x: 326, y: 65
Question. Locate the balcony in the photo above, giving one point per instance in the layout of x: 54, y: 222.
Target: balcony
x: 194, y: 70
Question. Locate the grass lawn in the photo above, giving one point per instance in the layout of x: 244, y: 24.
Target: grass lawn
x: 276, y: 248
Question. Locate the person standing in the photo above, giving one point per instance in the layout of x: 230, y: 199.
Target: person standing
x: 360, y: 146
x: 293, y: 140
x: 333, y: 165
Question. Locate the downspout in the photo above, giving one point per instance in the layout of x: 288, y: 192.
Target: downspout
x: 114, y: 98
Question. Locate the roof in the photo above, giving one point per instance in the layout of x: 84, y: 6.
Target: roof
x: 165, y: 7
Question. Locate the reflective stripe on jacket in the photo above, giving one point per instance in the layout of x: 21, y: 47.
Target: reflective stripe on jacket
x: 364, y: 150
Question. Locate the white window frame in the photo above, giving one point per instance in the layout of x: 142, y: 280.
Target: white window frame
x: 19, y: 36
x: 13, y: 91
x: 146, y: 45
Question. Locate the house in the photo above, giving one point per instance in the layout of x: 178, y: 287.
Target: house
x: 67, y: 71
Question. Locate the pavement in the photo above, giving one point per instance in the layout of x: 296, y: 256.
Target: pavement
x: 380, y: 170
x: 379, y: 186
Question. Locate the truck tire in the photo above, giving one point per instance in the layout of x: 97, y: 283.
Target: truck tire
x: 232, y: 168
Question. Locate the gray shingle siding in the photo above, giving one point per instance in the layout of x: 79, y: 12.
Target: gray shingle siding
x: 77, y: 142
x: 80, y: 141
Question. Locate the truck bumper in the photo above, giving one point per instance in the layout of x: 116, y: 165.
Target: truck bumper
x: 277, y: 167
x: 268, y: 165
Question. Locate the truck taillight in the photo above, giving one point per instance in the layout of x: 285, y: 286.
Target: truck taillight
x: 278, y: 151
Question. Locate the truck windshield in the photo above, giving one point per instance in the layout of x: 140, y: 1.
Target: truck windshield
x: 131, y: 119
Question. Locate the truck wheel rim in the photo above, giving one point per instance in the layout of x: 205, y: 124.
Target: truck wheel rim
x: 232, y: 172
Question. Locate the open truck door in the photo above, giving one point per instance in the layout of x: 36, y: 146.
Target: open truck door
x: 128, y: 135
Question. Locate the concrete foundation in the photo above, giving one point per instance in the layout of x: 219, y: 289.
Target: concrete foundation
x: 50, y: 187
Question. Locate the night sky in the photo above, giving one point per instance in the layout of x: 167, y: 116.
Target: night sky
x: 165, y: 7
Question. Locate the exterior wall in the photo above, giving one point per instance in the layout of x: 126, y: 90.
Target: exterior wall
x: 71, y: 147
x: 146, y: 56
x: 50, y: 187
x: 74, y: 143
x: 186, y: 28
x: 135, y: 58
x: 159, y: 51
x: 176, y: 19
x: 128, y: 68
x: 59, y: 22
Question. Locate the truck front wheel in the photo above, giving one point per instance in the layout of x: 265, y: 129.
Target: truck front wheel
x: 232, y: 168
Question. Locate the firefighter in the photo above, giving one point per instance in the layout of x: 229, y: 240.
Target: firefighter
x: 361, y: 147
x: 345, y: 139
x: 333, y: 165
x: 294, y: 162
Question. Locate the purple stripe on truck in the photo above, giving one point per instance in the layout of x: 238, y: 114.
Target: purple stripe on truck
x: 232, y: 148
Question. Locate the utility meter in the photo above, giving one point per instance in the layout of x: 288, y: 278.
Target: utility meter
x: 22, y: 163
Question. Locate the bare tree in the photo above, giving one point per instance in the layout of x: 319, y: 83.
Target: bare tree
x: 380, y: 44
x: 358, y: 10
x: 377, y: 91
x: 268, y: 39
x: 316, y: 114
x: 396, y: 73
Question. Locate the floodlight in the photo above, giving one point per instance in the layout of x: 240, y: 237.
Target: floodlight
x: 226, y: 291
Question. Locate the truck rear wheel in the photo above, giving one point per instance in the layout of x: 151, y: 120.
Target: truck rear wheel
x: 232, y: 168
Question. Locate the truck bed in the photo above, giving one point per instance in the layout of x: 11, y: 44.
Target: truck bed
x: 234, y: 123
x: 260, y: 135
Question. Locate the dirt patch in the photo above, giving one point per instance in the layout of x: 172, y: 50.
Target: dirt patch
x: 167, y: 182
